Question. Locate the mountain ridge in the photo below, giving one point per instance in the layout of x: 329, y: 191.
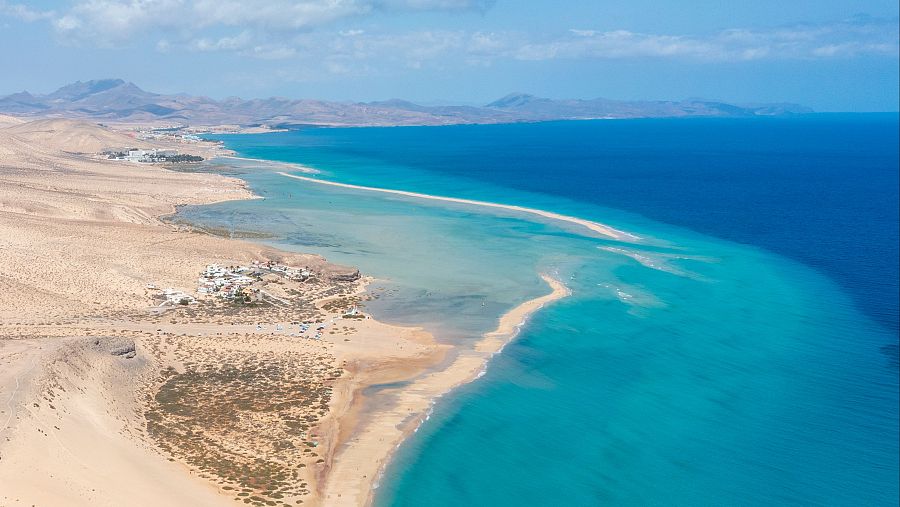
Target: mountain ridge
x: 119, y: 100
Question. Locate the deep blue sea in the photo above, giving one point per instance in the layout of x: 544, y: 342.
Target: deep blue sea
x: 743, y: 353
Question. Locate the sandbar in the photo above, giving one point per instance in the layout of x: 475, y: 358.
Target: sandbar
x: 596, y: 227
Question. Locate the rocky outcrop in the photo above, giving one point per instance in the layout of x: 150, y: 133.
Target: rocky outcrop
x: 347, y: 275
x: 123, y: 347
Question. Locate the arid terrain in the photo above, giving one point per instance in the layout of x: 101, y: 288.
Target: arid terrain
x: 108, y: 397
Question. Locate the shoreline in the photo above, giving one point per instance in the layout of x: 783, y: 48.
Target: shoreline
x: 354, y: 475
x: 126, y: 237
x: 602, y: 229
x: 83, y: 258
x: 366, y: 438
x: 297, y: 167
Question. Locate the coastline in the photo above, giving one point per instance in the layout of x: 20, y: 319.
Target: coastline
x: 84, y: 245
x: 97, y: 420
x: 603, y: 230
x: 80, y: 242
x: 364, y: 439
x: 358, y: 467
x: 297, y: 167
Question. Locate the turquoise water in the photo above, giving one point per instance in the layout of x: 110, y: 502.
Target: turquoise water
x: 723, y: 375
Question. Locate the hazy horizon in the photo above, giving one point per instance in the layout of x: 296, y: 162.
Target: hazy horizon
x: 432, y: 102
x: 824, y: 55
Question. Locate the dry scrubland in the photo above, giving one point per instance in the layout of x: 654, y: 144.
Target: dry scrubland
x: 106, y: 401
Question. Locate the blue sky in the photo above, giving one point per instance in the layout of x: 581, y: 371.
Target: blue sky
x: 832, y: 55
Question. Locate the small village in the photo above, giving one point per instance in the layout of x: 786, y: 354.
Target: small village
x: 151, y: 156
x: 173, y: 133
x: 264, y: 290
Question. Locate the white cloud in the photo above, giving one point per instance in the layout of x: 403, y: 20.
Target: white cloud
x: 416, y: 49
x: 270, y: 52
x: 111, y: 22
x: 343, y: 50
x: 242, y: 43
x: 481, y: 5
x: 843, y: 39
x: 238, y: 42
x: 349, y: 51
x: 280, y: 29
x: 274, y: 15
x: 106, y: 22
x: 23, y: 12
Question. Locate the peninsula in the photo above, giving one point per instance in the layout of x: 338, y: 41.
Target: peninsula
x: 148, y: 363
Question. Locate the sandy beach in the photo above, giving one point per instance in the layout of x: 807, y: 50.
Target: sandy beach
x: 362, y: 458
x: 108, y: 396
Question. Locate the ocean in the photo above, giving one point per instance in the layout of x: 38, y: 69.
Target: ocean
x: 744, y: 352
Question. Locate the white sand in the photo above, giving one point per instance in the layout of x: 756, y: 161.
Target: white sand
x: 80, y: 238
x: 599, y: 228
x: 362, y: 458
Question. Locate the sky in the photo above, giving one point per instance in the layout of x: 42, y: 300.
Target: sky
x: 831, y: 55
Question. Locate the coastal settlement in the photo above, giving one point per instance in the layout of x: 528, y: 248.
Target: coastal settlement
x: 184, y: 367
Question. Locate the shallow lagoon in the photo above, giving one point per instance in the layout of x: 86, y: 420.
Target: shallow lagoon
x: 730, y: 376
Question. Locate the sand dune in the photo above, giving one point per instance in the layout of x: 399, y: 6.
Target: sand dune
x: 80, y: 239
x: 6, y: 120
x: 74, y: 449
x: 71, y: 136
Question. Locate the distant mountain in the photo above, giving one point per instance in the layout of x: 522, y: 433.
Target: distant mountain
x: 77, y: 91
x: 118, y: 100
x: 515, y: 100
x: 521, y: 104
